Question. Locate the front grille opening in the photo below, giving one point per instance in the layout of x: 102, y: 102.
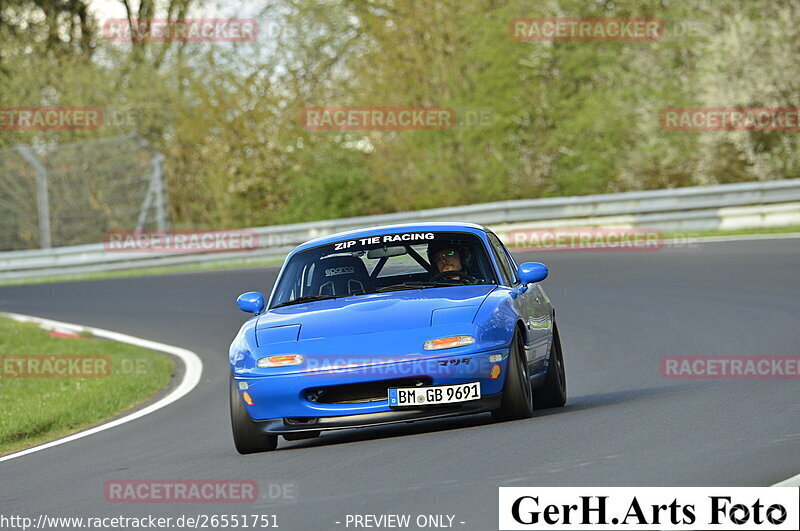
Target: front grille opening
x: 361, y: 392
x: 300, y: 420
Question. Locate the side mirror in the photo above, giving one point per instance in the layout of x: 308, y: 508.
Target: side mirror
x: 251, y: 302
x: 530, y: 272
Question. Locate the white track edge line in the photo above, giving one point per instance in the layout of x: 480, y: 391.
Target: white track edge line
x: 191, y: 377
x: 791, y: 482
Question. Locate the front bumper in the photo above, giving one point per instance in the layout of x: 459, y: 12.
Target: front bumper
x: 276, y: 398
x: 304, y: 424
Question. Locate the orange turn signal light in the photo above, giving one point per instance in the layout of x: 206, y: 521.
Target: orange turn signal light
x: 247, y: 398
x: 280, y: 361
x: 448, y: 342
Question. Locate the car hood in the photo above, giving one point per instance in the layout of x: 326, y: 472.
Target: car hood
x: 371, y: 314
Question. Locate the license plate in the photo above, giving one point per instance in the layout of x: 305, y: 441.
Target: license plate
x: 438, y: 394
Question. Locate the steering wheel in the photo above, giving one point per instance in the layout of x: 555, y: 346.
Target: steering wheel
x: 460, y: 274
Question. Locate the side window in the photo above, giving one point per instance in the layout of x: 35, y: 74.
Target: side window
x: 508, y: 270
x: 512, y: 264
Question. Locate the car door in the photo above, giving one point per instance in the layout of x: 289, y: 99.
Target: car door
x: 533, y: 306
x: 522, y: 301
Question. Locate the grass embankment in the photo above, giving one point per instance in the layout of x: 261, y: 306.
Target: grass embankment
x: 54, y: 386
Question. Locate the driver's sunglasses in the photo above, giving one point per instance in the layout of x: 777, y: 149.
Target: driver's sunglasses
x: 445, y: 254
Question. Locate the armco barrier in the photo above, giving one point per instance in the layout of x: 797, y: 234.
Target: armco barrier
x: 727, y: 206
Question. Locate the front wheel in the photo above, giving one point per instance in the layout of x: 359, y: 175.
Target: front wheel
x: 246, y: 436
x: 517, y: 401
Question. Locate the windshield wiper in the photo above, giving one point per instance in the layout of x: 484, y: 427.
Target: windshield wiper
x: 307, y: 298
x: 416, y: 285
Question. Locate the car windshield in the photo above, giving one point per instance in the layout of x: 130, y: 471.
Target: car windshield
x: 390, y: 262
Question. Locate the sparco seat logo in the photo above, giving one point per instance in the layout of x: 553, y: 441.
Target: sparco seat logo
x: 333, y: 271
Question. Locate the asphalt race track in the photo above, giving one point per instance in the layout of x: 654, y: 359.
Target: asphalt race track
x: 624, y: 425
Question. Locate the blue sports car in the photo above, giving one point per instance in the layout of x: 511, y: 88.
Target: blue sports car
x: 394, y: 324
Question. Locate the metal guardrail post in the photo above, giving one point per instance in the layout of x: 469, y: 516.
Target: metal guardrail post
x: 42, y: 197
x: 155, y: 191
x: 161, y: 185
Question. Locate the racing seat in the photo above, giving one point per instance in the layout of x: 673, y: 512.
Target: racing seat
x: 340, y: 276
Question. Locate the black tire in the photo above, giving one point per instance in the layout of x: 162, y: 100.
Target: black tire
x: 246, y: 436
x: 553, y: 392
x: 517, y: 401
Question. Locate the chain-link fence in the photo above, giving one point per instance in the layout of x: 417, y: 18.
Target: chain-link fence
x: 71, y: 194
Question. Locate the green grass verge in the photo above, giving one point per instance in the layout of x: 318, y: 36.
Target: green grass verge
x: 38, y: 409
x: 237, y: 265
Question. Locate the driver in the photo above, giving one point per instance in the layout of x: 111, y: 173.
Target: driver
x: 447, y: 259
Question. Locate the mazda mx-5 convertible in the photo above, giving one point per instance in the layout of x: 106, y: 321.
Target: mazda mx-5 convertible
x: 394, y: 324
